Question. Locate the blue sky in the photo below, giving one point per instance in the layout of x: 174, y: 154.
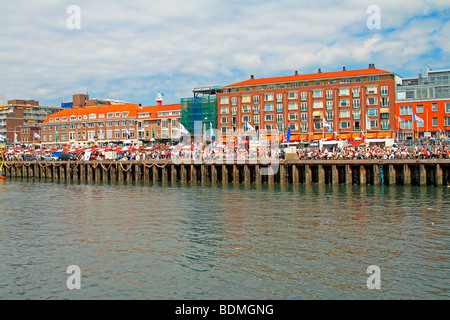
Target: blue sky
x: 130, y: 50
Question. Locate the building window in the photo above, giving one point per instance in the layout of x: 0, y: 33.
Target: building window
x: 293, y: 116
x: 255, y: 99
x: 225, y: 129
x: 355, y: 92
x: 434, y: 122
x: 329, y: 105
x: 419, y: 108
x: 384, y: 101
x: 406, y: 110
x: 233, y: 111
x: 374, y: 123
x: 224, y: 100
x: 292, y: 95
x: 372, y: 112
x: 384, y: 90
x: 268, y: 97
x: 318, y: 104
x: 224, y: 110
x: 406, y: 124
x: 304, y: 127
x: 329, y: 94
x: 294, y: 126
x: 304, y: 106
x: 280, y: 107
x: 293, y: 106
x: 269, y: 117
x: 233, y: 101
x: 279, y: 97
x: 304, y: 117
x: 372, y: 101
x: 356, y: 104
x: 304, y: 96
x: 344, y: 92
x: 344, y: 103
x: 447, y: 107
x: 269, y: 107
x: 434, y: 107
x: 246, y: 119
x: 344, y: 114
x: 246, y: 109
x: 356, y: 114
x: 344, y: 124
x: 256, y: 119
x: 318, y: 94
x: 224, y: 120
x: 447, y: 121
x: 279, y: 118
x: 329, y: 116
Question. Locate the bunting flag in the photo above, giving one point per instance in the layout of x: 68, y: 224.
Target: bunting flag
x: 2, y: 138
x: 326, y: 124
x: 248, y: 126
x: 182, y: 130
x: 36, y: 135
x: 288, y: 134
x: 368, y: 126
x: 416, y: 118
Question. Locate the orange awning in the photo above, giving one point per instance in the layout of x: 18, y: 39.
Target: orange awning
x: 316, y: 137
x: 384, y: 135
x: 371, y: 135
x: 344, y: 136
x: 356, y: 135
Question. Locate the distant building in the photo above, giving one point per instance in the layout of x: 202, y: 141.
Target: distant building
x: 428, y: 97
x: 111, y: 124
x: 19, y: 119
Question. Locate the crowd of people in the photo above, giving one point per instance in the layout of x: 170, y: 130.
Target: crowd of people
x: 214, y: 154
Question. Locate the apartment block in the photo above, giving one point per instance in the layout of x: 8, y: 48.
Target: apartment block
x: 355, y: 103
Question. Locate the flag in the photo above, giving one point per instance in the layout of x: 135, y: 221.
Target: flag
x: 2, y: 138
x: 15, y: 137
x: 56, y: 136
x: 36, y: 135
x: 416, y: 118
x: 326, y: 124
x: 128, y: 133
x: 153, y: 133
x: 288, y: 134
x: 182, y: 130
x: 248, y: 126
x: 368, y: 126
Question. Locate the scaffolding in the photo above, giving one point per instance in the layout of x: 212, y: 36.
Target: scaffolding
x: 199, y: 113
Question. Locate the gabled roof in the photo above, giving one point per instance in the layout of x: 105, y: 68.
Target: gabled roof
x: 313, y: 76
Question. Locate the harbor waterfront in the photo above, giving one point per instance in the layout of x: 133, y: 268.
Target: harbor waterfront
x: 174, y: 240
x: 422, y: 172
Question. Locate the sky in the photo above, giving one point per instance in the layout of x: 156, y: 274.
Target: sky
x: 131, y: 50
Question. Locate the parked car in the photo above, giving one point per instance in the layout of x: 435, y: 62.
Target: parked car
x: 66, y: 157
x: 29, y: 157
x: 49, y: 157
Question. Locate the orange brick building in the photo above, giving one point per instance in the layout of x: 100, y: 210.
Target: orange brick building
x: 343, y: 98
x: 119, y: 124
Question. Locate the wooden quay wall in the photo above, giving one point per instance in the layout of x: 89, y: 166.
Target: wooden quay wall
x: 423, y: 172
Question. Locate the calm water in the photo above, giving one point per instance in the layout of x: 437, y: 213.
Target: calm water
x: 183, y: 241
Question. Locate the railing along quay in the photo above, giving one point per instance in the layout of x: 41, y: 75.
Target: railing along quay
x: 420, y: 172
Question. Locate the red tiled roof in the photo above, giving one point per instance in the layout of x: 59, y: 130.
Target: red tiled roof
x: 313, y: 76
x: 153, y: 110
x: 131, y: 108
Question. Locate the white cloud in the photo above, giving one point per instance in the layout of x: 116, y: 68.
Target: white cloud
x: 126, y: 49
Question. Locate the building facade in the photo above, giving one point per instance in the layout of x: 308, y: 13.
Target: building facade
x: 111, y: 124
x: 20, y: 118
x: 428, y: 98
x: 351, y: 103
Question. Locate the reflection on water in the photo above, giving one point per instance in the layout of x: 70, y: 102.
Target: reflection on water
x: 194, y: 241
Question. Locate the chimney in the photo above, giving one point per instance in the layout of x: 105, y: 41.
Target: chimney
x: 343, y: 68
x: 296, y: 72
x: 252, y: 77
x: 320, y: 70
x: 159, y: 99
